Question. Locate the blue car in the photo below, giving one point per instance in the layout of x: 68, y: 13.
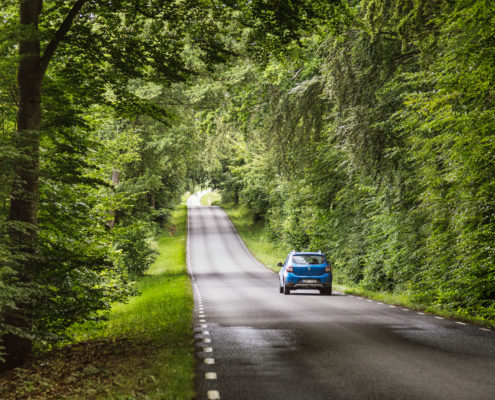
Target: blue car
x: 305, y: 270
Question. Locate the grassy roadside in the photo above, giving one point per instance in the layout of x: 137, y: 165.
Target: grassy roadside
x: 255, y: 236
x: 144, y: 351
x: 210, y: 198
x: 269, y: 253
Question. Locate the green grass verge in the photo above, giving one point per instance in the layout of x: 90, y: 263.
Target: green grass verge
x: 261, y: 245
x: 255, y: 236
x: 162, y: 316
x: 144, y: 350
x: 211, y: 198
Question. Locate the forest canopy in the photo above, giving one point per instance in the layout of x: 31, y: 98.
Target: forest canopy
x: 361, y: 128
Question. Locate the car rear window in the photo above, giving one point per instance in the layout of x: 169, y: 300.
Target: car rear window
x: 308, y: 259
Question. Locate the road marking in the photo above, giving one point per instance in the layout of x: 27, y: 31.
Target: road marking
x: 421, y: 313
x: 209, y: 361
x: 204, y: 326
x: 392, y: 306
x: 486, y: 330
x: 439, y: 318
x: 205, y: 332
x: 379, y: 303
x: 460, y: 323
x: 213, y: 395
x: 371, y: 301
x: 210, y: 375
x: 206, y: 340
x: 202, y: 320
x: 208, y: 350
x: 405, y: 309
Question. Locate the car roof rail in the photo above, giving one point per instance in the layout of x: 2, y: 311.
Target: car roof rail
x: 319, y: 251
x: 292, y: 251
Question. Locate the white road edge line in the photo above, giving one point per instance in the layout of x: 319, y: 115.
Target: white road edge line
x: 209, y: 361
x: 486, y: 330
x: 210, y: 375
x: 460, y: 323
x: 213, y: 395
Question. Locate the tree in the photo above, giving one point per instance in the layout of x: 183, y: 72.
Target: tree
x: 156, y: 34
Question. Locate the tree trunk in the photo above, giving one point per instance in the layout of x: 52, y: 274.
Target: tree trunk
x: 115, y: 182
x: 24, y: 195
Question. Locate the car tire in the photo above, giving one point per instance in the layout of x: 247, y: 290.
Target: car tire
x: 286, y: 290
x: 281, y: 289
x: 326, y: 292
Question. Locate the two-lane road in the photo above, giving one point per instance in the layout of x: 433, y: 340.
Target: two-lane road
x: 254, y: 343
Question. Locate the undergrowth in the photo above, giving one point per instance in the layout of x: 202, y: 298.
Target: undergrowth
x: 143, y: 351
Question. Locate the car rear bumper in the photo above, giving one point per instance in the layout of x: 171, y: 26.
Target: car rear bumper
x: 300, y: 282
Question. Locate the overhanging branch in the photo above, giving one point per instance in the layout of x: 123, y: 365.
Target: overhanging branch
x: 60, y: 34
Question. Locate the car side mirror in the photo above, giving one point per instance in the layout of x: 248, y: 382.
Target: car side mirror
x: 280, y: 265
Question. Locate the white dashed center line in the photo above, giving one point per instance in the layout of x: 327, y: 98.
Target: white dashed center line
x: 213, y: 394
x: 460, y: 323
x: 209, y: 361
x: 210, y: 375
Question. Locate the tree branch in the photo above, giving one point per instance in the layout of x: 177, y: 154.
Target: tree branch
x: 60, y: 34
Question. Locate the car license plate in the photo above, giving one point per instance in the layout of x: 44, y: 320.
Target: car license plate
x: 309, y: 281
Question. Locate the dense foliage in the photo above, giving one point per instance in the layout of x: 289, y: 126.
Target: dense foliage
x: 362, y: 128
x: 374, y: 143
x: 105, y: 163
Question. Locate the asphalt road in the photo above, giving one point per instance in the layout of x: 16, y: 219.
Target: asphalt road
x: 254, y: 343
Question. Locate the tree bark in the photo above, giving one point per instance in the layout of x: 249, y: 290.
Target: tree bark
x: 24, y: 194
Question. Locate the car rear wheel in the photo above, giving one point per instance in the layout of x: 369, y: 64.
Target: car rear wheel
x: 286, y: 290
x: 281, y: 289
x: 326, y: 292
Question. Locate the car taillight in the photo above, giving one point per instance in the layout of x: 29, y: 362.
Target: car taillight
x: 289, y: 268
x: 328, y: 268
